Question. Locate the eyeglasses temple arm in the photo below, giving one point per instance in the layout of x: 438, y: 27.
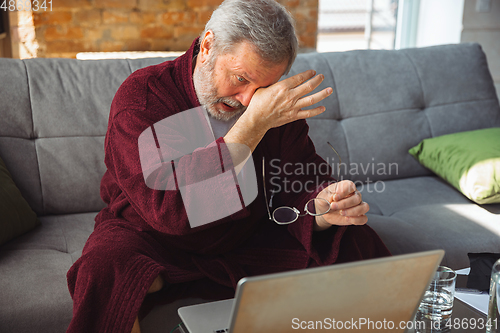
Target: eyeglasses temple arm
x: 340, y: 160
x: 264, y: 184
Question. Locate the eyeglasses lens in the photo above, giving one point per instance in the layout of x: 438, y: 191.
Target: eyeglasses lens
x: 284, y: 215
x: 317, y: 206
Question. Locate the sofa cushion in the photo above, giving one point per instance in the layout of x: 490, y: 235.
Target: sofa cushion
x: 426, y: 213
x: 470, y: 161
x: 35, y: 296
x: 16, y: 216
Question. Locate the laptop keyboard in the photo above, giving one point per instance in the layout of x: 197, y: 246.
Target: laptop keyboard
x: 222, y: 331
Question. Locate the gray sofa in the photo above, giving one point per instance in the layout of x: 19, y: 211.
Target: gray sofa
x: 54, y: 115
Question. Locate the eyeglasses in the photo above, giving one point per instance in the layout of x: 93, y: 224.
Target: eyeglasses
x: 287, y: 215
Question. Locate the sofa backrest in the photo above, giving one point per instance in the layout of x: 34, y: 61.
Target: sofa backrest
x: 54, y: 115
x: 385, y: 102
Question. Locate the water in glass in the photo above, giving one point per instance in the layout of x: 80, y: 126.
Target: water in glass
x: 493, y: 321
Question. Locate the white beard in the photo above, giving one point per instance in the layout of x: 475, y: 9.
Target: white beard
x: 204, y: 85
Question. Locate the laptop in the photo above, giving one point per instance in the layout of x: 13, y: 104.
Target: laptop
x: 358, y: 296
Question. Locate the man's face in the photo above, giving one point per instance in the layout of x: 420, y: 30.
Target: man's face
x: 225, y: 84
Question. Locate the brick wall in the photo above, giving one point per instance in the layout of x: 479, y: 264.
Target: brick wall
x: 132, y: 25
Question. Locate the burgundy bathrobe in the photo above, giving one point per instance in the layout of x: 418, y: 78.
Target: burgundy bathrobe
x: 144, y: 232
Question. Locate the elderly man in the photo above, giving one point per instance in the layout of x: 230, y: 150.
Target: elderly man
x: 143, y: 241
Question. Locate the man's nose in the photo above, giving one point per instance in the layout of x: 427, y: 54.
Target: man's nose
x: 245, y: 95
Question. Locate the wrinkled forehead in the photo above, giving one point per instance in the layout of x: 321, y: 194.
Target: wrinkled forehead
x: 243, y: 59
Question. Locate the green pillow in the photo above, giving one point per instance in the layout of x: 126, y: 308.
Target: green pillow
x: 470, y: 161
x: 16, y: 216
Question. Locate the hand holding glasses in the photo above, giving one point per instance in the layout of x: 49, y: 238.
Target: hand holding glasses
x: 287, y: 215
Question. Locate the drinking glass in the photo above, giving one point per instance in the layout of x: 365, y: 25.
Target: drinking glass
x: 437, y: 305
x: 492, y: 323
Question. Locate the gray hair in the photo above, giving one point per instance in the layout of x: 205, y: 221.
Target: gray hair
x: 266, y: 24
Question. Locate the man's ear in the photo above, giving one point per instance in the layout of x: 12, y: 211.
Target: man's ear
x: 206, y: 46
